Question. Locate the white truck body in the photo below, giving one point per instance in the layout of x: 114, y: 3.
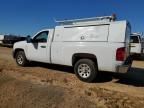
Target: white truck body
x: 101, y: 39
x: 136, y: 44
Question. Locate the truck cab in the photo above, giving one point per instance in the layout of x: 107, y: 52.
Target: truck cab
x: 38, y: 47
x: 136, y: 44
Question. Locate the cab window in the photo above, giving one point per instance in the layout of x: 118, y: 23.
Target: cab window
x: 41, y: 37
x: 134, y: 39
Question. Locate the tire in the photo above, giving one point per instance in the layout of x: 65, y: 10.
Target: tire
x: 86, y: 70
x: 21, y: 58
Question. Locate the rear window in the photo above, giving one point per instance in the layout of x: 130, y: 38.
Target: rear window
x: 134, y: 39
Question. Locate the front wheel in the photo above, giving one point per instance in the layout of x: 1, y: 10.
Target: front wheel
x: 86, y: 70
x: 21, y: 58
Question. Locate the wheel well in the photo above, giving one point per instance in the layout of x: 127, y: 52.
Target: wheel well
x: 79, y: 56
x: 17, y: 50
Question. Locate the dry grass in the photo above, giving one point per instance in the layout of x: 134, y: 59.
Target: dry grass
x: 42, y: 86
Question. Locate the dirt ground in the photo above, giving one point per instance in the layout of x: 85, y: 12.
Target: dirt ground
x: 53, y: 86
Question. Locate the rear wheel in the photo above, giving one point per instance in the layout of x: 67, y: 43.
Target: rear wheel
x: 86, y: 70
x: 21, y: 58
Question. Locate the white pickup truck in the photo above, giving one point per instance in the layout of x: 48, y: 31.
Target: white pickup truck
x: 137, y: 44
x: 89, y: 45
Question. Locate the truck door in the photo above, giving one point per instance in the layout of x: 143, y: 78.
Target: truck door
x: 135, y: 44
x: 39, y: 48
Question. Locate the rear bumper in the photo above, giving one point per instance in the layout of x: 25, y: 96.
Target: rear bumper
x: 126, y: 66
x: 123, y: 68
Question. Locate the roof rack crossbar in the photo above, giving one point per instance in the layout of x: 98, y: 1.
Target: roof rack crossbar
x: 64, y: 22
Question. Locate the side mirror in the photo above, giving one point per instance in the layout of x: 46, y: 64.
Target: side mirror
x: 28, y: 39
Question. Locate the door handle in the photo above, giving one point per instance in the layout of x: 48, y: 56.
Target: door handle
x: 132, y: 46
x: 43, y: 46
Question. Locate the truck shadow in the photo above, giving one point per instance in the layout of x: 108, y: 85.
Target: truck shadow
x: 139, y: 58
x: 101, y: 78
x: 55, y: 67
x: 134, y: 77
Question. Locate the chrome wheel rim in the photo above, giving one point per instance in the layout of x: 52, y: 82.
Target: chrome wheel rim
x: 84, y: 70
x: 20, y: 59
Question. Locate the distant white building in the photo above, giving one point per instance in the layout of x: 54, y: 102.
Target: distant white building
x: 1, y: 39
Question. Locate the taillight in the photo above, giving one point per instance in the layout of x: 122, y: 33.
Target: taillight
x: 120, y: 54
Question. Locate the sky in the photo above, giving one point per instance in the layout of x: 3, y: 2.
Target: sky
x: 26, y: 17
